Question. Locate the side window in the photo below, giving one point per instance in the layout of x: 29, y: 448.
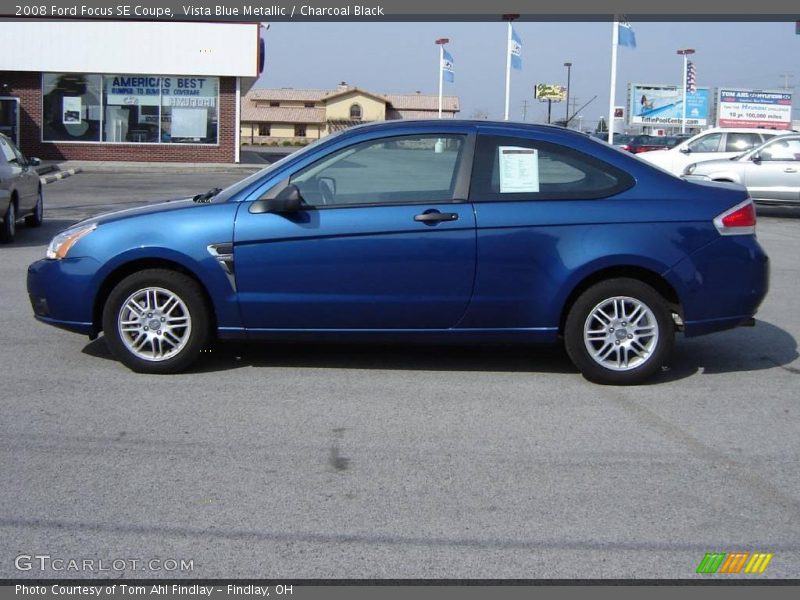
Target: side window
x: 7, y: 154
x: 707, y: 143
x: 19, y: 156
x: 739, y: 142
x: 395, y: 170
x: 523, y: 169
x: 780, y: 149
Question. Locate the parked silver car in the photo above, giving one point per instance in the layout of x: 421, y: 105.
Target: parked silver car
x: 770, y: 172
x: 20, y: 190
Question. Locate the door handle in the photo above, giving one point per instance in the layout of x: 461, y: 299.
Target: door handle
x: 432, y: 217
x: 790, y: 170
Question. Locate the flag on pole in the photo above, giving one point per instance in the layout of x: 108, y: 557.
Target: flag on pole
x: 691, y: 78
x: 447, y: 67
x: 515, y: 49
x: 626, y: 35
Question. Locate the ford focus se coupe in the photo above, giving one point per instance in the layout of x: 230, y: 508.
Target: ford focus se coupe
x: 420, y: 231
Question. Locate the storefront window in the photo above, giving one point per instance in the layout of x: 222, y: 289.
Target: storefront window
x: 189, y: 110
x: 135, y: 108
x: 131, y: 108
x: 71, y: 106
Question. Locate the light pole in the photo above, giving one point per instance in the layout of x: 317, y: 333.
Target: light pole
x: 569, y: 68
x: 684, y: 52
x: 441, y: 42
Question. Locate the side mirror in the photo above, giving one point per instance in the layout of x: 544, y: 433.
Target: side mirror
x: 686, y: 150
x: 34, y: 162
x: 287, y: 201
x: 756, y: 158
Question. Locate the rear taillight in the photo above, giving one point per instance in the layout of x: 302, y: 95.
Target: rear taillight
x: 739, y: 220
x: 626, y: 148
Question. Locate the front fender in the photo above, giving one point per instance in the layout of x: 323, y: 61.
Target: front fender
x: 180, y: 237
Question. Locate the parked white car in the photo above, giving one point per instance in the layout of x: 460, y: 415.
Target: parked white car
x: 715, y: 143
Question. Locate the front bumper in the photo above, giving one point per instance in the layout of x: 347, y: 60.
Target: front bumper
x: 62, y: 293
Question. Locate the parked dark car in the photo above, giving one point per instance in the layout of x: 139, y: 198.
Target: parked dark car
x: 420, y: 231
x: 20, y: 190
x: 637, y: 144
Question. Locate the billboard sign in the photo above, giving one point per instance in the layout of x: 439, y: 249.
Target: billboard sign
x: 619, y: 113
x: 655, y: 105
x: 754, y: 108
x: 553, y: 93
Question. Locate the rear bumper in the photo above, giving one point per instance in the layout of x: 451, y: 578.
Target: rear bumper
x: 722, y: 284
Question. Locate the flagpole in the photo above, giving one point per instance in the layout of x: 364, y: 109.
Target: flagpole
x: 683, y: 104
x: 614, y: 44
x: 508, y: 69
x: 685, y: 52
x: 441, y: 76
x: 441, y: 42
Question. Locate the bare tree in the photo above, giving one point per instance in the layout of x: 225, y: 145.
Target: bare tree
x: 480, y: 114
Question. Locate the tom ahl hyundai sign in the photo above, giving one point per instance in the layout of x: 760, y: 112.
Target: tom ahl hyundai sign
x: 754, y: 108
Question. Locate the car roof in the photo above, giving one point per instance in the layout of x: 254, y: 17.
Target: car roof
x: 415, y: 123
x: 744, y: 130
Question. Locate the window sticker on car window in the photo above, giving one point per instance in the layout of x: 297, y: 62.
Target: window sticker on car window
x: 519, y: 170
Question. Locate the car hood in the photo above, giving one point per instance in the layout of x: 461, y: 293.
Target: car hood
x: 137, y: 211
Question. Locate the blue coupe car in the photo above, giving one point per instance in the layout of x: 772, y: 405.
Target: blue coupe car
x: 420, y: 231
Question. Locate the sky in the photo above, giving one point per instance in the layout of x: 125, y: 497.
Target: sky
x: 402, y: 58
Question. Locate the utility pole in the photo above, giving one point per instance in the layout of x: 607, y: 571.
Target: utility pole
x: 786, y: 78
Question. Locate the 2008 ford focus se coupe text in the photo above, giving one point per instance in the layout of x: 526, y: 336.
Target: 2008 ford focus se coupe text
x: 426, y: 230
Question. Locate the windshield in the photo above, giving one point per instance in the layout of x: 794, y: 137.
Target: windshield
x: 237, y: 187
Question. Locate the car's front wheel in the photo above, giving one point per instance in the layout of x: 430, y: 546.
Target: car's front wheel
x: 156, y: 321
x: 619, y: 332
x: 37, y: 217
x: 9, y: 228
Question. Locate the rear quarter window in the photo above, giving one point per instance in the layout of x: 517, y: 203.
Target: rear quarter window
x: 517, y: 169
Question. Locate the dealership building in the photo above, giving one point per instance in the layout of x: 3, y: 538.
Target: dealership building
x: 127, y: 91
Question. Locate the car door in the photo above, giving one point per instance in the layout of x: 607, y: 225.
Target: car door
x: 19, y: 174
x: 707, y: 147
x: 774, y: 172
x: 29, y: 179
x: 385, y: 239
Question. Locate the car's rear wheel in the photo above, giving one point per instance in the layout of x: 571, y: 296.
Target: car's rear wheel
x: 619, y: 332
x: 9, y: 229
x: 36, y: 219
x: 156, y: 321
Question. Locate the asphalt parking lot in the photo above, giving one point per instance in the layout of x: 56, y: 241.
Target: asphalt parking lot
x: 312, y: 461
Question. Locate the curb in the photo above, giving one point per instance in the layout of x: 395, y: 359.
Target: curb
x: 60, y: 175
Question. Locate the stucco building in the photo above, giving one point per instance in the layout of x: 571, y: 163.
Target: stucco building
x: 288, y: 115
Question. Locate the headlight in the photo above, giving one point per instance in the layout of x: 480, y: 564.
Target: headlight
x: 690, y: 169
x: 61, y: 244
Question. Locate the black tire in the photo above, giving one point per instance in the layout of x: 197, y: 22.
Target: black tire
x: 643, y: 367
x: 9, y: 229
x: 37, y: 218
x: 187, y: 290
